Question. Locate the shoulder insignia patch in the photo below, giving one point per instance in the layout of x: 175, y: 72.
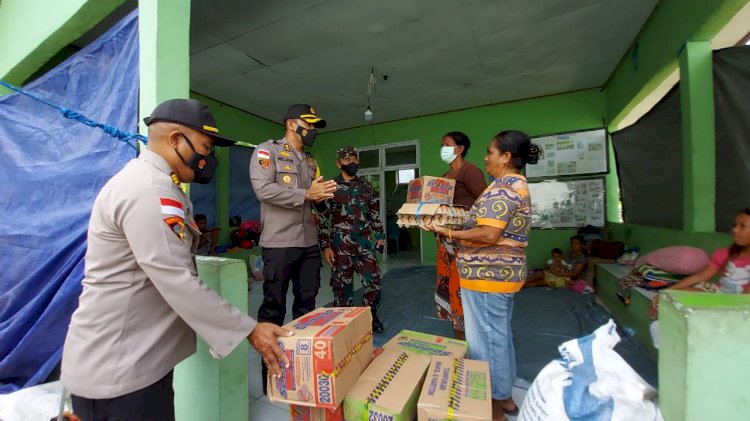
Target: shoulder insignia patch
x: 177, y: 225
x: 264, y: 158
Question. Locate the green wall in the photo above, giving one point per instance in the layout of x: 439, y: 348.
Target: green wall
x: 33, y: 31
x: 652, y: 238
x: 672, y: 36
x: 242, y: 126
x: 653, y: 54
x: 538, y: 116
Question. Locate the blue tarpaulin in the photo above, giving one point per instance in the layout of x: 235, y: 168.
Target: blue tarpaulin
x: 242, y: 199
x: 53, y: 167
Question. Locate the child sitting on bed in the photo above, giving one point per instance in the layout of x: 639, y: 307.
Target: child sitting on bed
x: 562, y: 276
x: 731, y: 263
x: 557, y: 261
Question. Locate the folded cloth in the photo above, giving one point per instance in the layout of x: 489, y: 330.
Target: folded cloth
x: 652, y: 273
x: 555, y: 281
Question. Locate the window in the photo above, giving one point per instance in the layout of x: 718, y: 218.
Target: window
x: 369, y: 158
x: 401, y: 155
x: 404, y: 176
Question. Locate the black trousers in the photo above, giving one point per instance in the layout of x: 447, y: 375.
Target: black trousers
x: 152, y: 403
x: 301, y: 265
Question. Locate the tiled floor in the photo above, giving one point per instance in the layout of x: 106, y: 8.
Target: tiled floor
x: 261, y: 409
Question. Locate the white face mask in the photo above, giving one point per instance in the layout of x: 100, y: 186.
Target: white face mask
x: 447, y: 155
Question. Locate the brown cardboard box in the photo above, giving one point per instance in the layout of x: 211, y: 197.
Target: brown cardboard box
x: 389, y: 389
x: 305, y: 413
x: 456, y: 389
x: 329, y: 350
x: 426, y: 344
x: 431, y: 189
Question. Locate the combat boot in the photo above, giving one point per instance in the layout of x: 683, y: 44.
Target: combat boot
x: 377, y: 325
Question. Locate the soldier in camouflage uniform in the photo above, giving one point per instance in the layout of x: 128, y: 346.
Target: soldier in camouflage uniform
x: 347, y: 226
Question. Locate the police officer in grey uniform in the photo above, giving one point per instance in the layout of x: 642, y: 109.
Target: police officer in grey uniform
x: 142, y: 301
x: 288, y: 184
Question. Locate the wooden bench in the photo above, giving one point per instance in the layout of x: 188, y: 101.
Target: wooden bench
x: 633, y: 315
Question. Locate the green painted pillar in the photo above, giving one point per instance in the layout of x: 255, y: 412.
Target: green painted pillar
x: 205, y: 388
x: 612, y: 182
x: 216, y: 389
x: 222, y: 193
x: 164, y: 31
x: 698, y: 133
x: 703, y: 356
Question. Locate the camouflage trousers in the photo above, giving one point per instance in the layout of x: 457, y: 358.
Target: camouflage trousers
x: 342, y: 279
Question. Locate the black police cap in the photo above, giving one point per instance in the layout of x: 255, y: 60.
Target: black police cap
x: 190, y: 113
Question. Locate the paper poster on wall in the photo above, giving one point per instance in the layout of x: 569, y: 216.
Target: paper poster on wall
x: 570, y: 154
x: 567, y: 204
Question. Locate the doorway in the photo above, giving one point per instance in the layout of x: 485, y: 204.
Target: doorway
x: 389, y: 168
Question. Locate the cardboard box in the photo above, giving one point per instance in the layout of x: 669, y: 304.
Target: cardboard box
x: 420, y: 214
x: 389, y: 388
x: 306, y: 413
x: 431, y: 189
x: 456, y: 389
x: 329, y: 350
x: 426, y: 344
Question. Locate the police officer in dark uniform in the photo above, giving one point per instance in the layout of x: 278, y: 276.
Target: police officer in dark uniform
x: 287, y: 181
x: 354, y: 218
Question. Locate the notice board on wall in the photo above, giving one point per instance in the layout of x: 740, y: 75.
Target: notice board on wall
x: 570, y: 154
x: 567, y: 203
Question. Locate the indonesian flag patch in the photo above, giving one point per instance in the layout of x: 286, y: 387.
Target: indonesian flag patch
x: 171, y: 207
x: 264, y: 158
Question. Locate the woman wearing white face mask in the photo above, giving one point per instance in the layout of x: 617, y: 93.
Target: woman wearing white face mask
x: 470, y: 183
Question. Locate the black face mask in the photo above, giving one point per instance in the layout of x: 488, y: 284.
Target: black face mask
x: 308, y: 138
x: 202, y: 165
x: 350, y: 169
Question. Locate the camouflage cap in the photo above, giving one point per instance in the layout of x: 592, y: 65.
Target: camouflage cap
x: 344, y: 152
